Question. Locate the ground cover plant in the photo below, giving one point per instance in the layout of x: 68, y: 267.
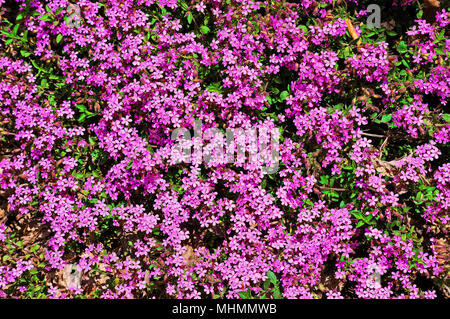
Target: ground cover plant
x: 93, y: 203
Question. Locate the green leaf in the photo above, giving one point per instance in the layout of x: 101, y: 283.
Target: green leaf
x: 189, y: 18
x: 386, y: 118
x: 59, y: 38
x: 35, y: 248
x: 357, y: 214
x: 44, y: 84
x: 183, y: 5
x: 16, y: 28
x: 391, y: 33
x: 334, y: 194
x: 439, y: 51
x: 214, y: 87
x: 266, y: 284
x: 245, y: 294
x: 25, y: 53
x: 272, y: 278
x: 446, y: 117
x: 54, y: 77
x: 284, y: 95
x: 324, y: 179
x: 81, y: 108
x: 204, y: 29
x: 20, y: 16
x: 441, y: 35
x: 46, y: 18
x: 405, y: 63
x: 304, y: 28
x: 6, y: 33
x: 276, y: 293
x: 130, y: 164
x: 38, y: 67
x: 82, y: 118
x: 402, y: 47
x: 370, y: 220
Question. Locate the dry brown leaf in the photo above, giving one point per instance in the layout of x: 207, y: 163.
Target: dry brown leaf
x: 352, y: 31
x: 389, y: 25
x: 443, y: 253
x: 189, y: 256
x: 432, y: 3
x: 385, y: 168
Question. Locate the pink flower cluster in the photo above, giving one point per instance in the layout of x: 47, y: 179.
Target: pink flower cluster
x: 105, y: 192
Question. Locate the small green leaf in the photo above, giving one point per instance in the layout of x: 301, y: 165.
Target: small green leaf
x: 266, y: 284
x: 357, y: 214
x: 54, y: 77
x: 324, y: 179
x: 446, y: 117
x: 59, y: 38
x: 304, y: 28
x: 16, y: 28
x: 46, y: 18
x: 439, y: 51
x: 81, y: 108
x: 204, y: 29
x: 386, y: 118
x: 245, y: 294
x: 82, y: 118
x: 272, y: 278
x: 183, y: 5
x: 284, y: 95
x: 25, y: 53
x: 44, y: 84
x: 334, y: 194
x: 405, y: 63
x: 402, y: 47
x: 391, y: 33
x: 35, y: 248
x: 276, y: 293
